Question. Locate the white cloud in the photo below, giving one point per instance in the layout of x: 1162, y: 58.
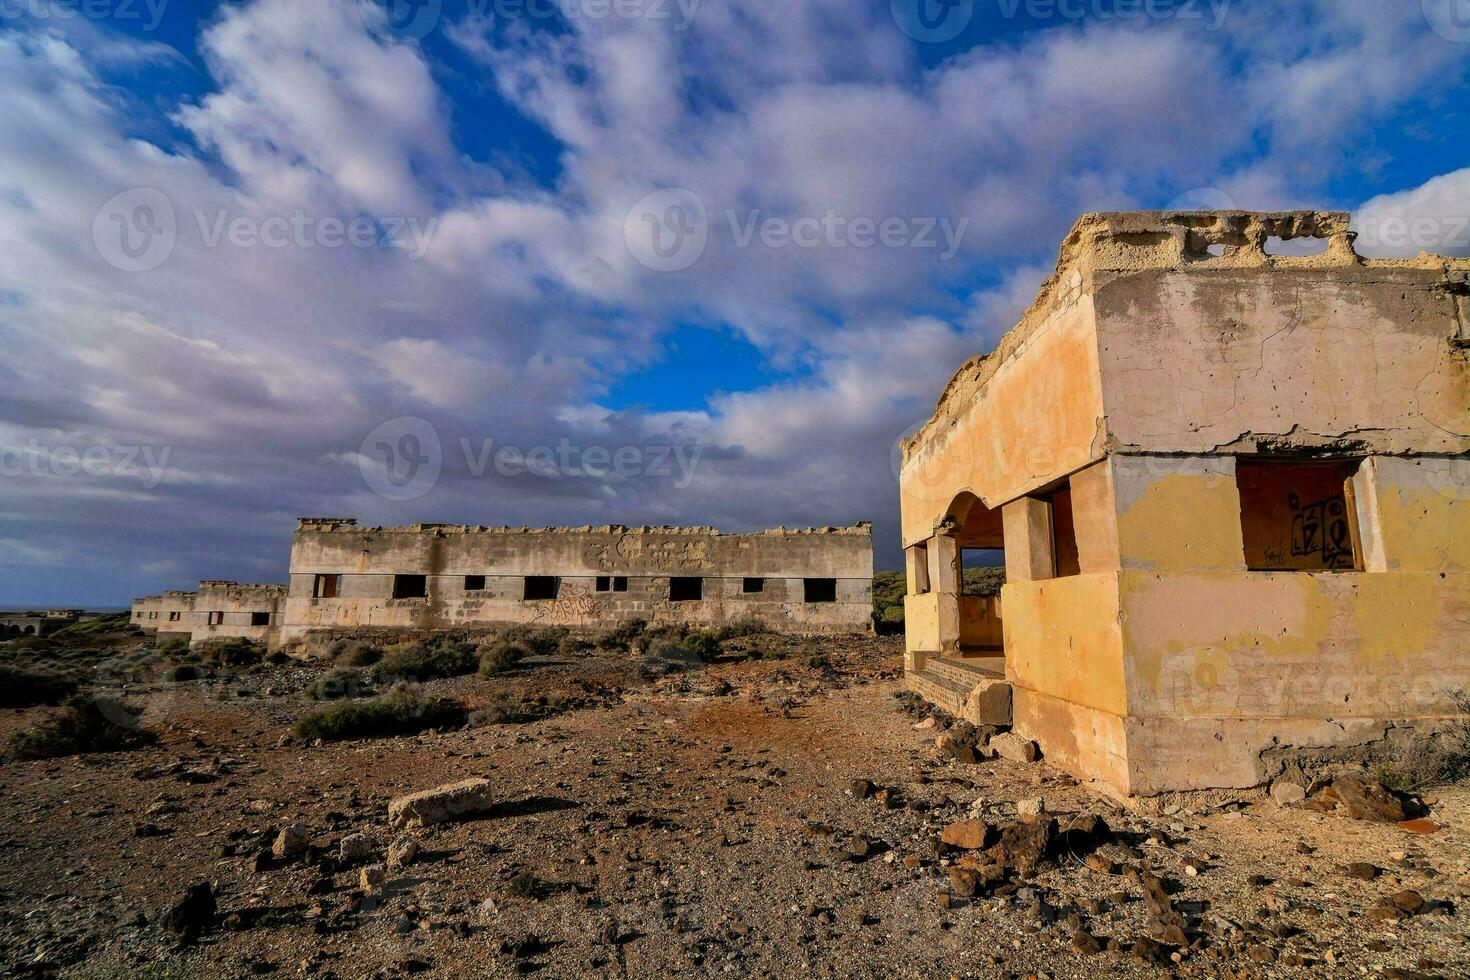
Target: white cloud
x: 1433, y: 217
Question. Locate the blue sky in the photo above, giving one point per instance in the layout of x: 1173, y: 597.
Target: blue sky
x: 248, y: 249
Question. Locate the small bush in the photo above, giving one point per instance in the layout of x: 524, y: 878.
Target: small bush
x: 441, y: 657
x: 666, y: 657
x: 500, y: 657
x: 83, y: 724
x: 173, y: 647
x: 401, y: 712
x: 504, y: 709
x: 177, y: 673
x: 815, y: 660
x: 524, y: 884
x: 536, y: 641
x: 575, y: 646
x: 344, y: 682
x: 355, y: 653
x: 622, y: 636
x: 231, y: 651
x: 1433, y: 761
x: 704, y: 644
x: 21, y: 688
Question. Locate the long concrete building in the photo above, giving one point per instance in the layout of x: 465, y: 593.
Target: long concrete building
x: 1232, y: 492
x: 424, y: 577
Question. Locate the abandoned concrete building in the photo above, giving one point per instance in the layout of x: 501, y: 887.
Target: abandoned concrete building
x: 1232, y: 492
x: 346, y: 577
x: 218, y: 609
x: 38, y: 623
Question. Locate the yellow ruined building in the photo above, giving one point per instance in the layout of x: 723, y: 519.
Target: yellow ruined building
x: 1232, y: 488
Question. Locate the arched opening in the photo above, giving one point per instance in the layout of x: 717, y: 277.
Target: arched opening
x: 29, y: 630
x: 979, y: 556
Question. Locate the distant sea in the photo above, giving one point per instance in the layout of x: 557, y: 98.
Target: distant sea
x: 43, y: 606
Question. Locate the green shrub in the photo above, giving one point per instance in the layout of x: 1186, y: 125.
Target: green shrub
x: 1433, y: 760
x: 622, y: 636
x: 536, y: 641
x: 575, y: 646
x: 344, y: 682
x: 20, y: 688
x: 83, y: 724
x: 704, y: 644
x: 893, y: 616
x: 230, y: 651
x: 110, y: 623
x: 174, y: 646
x: 440, y: 657
x: 355, y: 653
x: 500, y: 657
x: 524, y: 884
x: 814, y: 659
x: 400, y: 712
x: 503, y: 708
x: 176, y: 673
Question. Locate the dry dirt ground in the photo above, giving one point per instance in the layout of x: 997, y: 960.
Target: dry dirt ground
x: 698, y: 824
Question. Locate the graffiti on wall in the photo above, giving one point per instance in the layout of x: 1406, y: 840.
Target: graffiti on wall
x: 575, y: 603
x: 1320, y: 530
x: 661, y: 554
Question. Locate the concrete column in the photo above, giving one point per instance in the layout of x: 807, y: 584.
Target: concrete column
x: 944, y: 580
x: 1362, y: 494
x: 1028, y: 540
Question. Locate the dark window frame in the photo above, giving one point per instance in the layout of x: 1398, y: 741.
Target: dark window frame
x: 758, y: 581
x: 326, y: 585
x: 603, y: 584
x: 260, y: 619
x: 410, y: 586
x: 620, y: 583
x: 540, y: 588
x: 686, y: 588
x: 474, y: 583
x: 818, y: 590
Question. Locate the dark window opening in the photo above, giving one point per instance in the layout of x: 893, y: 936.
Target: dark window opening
x: 260, y: 619
x: 216, y: 619
x: 326, y: 586
x: 982, y: 571
x: 752, y: 585
x: 620, y: 583
x: 474, y: 583
x: 686, y: 589
x: 540, y: 587
x: 1063, y: 534
x: 604, y: 583
x: 410, y: 586
x: 1297, y: 516
x: 173, y: 617
x: 153, y: 615
x: 819, y: 589
x: 921, y: 569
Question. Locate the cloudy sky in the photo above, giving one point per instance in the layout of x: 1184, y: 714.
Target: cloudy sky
x: 586, y: 261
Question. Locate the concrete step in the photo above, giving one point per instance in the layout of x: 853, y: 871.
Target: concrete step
x: 979, y: 697
x: 941, y: 692
x: 966, y: 672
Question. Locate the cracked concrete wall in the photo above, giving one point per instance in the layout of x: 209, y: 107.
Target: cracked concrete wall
x: 188, y: 614
x: 368, y: 559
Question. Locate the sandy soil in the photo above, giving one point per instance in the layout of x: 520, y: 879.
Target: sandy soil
x: 701, y: 823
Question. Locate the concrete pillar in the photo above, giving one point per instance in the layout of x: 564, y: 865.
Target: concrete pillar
x: 1028, y: 540
x: 944, y: 581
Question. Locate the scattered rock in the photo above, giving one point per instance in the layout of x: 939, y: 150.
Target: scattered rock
x: 1361, y: 870
x: 441, y: 804
x: 1033, y: 807
x: 402, y: 852
x: 1363, y: 799
x: 291, y: 843
x: 371, y: 878
x: 967, y: 835
x: 193, y: 913
x: 1287, y: 793
x: 356, y: 848
x: 1009, y: 745
x: 1086, y: 943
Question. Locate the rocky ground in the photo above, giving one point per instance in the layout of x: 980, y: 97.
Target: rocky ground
x: 774, y: 818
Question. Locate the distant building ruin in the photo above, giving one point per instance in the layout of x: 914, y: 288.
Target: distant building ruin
x: 20, y: 624
x: 423, y: 577
x: 1231, y: 489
